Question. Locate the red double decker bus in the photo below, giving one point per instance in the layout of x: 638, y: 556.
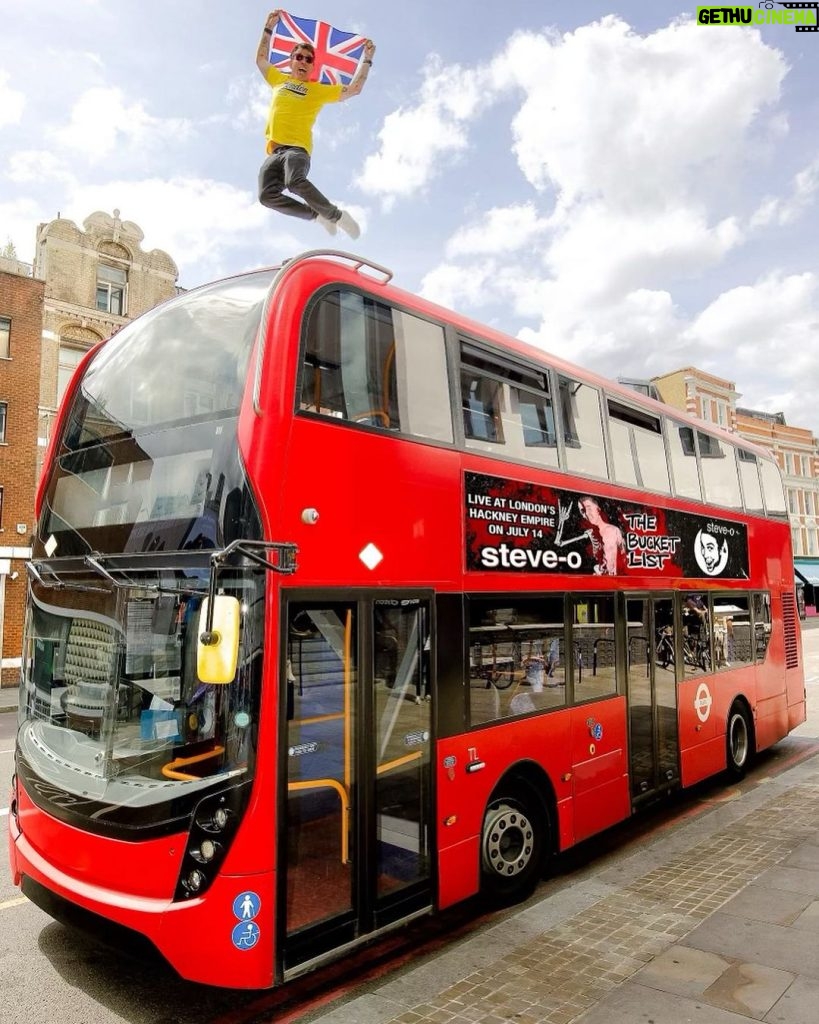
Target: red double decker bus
x: 343, y: 608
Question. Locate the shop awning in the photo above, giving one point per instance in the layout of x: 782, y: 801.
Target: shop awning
x: 808, y: 572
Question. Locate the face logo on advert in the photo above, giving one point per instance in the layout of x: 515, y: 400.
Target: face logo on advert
x: 711, y: 558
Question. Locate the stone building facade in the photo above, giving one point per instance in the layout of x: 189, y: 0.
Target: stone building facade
x: 21, y: 324
x: 96, y: 280
x: 85, y: 284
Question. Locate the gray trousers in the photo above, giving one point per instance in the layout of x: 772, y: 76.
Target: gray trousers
x: 287, y: 167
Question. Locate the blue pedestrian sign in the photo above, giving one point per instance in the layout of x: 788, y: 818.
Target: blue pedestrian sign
x: 246, y: 906
x: 245, y: 935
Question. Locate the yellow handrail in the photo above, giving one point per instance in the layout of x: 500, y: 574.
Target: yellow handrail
x: 169, y: 769
x: 388, y: 766
x: 345, y: 807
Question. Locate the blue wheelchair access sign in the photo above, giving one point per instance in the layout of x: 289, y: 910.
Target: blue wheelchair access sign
x: 246, y: 906
x: 245, y: 935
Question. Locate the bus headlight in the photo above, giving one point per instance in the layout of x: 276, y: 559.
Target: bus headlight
x: 207, y: 850
x: 212, y: 828
x: 195, y: 880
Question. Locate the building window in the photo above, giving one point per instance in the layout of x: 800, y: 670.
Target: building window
x: 5, y: 337
x: 4, y: 408
x: 111, y: 285
x: 70, y: 357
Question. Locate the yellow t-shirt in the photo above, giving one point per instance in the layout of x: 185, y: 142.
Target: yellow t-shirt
x: 294, y: 108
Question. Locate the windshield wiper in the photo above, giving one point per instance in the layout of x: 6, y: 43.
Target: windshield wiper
x: 53, y: 580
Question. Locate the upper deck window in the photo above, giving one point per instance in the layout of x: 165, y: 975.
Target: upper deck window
x: 582, y: 427
x: 507, y: 403
x: 773, y: 488
x: 149, y: 453
x: 719, y: 471
x: 749, y: 477
x: 684, y: 461
x: 368, y: 363
x: 638, y: 450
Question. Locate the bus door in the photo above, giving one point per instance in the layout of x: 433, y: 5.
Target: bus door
x: 652, y: 695
x: 357, y: 799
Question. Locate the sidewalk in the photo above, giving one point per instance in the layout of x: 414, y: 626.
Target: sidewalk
x: 716, y: 922
x: 8, y: 698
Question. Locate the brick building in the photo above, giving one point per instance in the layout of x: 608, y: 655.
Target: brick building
x: 21, y: 324
x: 700, y: 394
x: 85, y: 284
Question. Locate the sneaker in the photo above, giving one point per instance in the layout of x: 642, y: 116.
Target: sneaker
x: 330, y: 226
x: 349, y: 225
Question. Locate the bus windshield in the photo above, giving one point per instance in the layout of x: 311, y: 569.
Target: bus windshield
x: 148, y: 458
x: 113, y: 714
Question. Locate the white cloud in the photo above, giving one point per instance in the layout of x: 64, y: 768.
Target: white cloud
x: 18, y: 224
x: 786, y: 210
x: 37, y: 165
x: 417, y: 142
x: 102, y: 120
x: 195, y: 220
x: 636, y: 118
x: 770, y: 331
x: 12, y: 102
x: 251, y: 96
x: 635, y: 151
x: 503, y: 229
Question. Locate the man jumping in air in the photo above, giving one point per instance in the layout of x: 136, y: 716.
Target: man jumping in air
x: 293, y: 111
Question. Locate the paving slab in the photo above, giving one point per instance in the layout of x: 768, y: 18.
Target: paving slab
x: 636, y: 1004
x: 799, y: 1005
x: 791, y: 880
x: 743, y: 940
x: 764, y: 904
x: 683, y: 971
x: 748, y: 988
x: 808, y: 920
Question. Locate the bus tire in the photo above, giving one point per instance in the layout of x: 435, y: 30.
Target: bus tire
x: 513, y: 846
x: 739, y: 741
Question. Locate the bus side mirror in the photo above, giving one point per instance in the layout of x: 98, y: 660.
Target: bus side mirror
x: 217, y: 649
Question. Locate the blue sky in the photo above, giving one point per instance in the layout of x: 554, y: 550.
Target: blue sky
x: 611, y: 181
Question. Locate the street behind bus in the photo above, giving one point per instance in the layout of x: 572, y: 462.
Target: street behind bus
x: 706, y: 908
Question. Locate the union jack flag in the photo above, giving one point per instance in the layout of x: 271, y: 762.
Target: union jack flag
x: 337, y: 52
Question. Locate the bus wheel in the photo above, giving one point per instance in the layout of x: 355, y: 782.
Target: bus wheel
x: 739, y: 741
x: 513, y: 847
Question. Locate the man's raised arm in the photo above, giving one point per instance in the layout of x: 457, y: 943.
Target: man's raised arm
x: 360, y: 77
x: 262, y: 63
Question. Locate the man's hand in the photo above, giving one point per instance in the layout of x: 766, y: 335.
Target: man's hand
x: 264, y: 43
x: 360, y: 77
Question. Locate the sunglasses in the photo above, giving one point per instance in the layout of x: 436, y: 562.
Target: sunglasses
x: 303, y: 57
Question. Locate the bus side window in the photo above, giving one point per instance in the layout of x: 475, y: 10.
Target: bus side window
x: 684, y: 461
x: 370, y: 364
x: 762, y: 625
x: 582, y: 428
x: 751, y: 484
x: 719, y: 471
x: 481, y: 407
